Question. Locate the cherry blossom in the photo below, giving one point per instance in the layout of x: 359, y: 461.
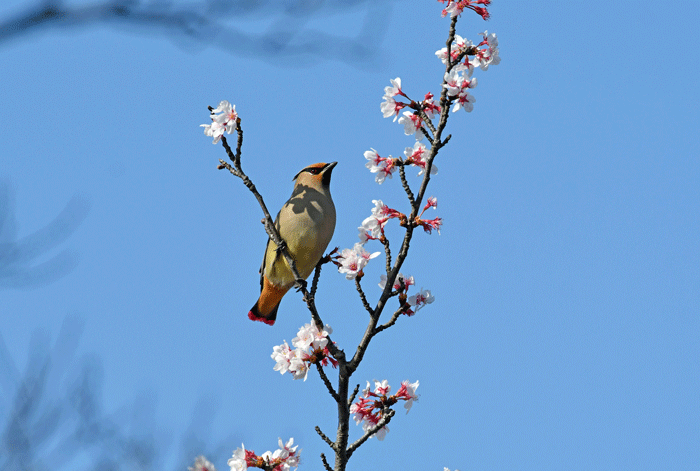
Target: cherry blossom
x: 488, y: 56
x: 224, y: 119
x: 458, y: 46
x: 412, y: 124
x: 352, y: 261
x: 282, y: 459
x: 371, y: 407
x: 310, y: 347
x: 283, y: 356
x: 429, y: 106
x: 390, y: 106
x: 465, y: 101
x: 383, y: 166
x: 373, y: 226
x: 430, y: 203
x: 239, y: 460
x: 429, y: 224
x: 455, y: 8
x: 416, y: 155
x: 407, y: 281
x: 202, y: 464
x: 407, y: 392
x: 395, y: 88
x: 457, y: 85
x: 381, y: 387
x: 420, y: 299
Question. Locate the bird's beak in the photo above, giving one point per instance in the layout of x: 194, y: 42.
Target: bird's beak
x: 327, y: 171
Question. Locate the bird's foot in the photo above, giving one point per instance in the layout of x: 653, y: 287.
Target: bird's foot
x: 301, y: 285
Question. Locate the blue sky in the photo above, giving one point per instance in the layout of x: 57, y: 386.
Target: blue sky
x: 565, y: 331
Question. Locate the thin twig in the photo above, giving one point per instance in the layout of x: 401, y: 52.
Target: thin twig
x: 325, y: 438
x: 353, y: 395
x: 325, y: 463
x: 387, y: 251
x: 382, y: 422
x: 363, y: 297
x: 327, y: 382
x: 392, y: 321
x: 317, y: 276
x: 406, y: 187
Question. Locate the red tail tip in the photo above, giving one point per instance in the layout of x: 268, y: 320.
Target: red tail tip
x: 264, y: 320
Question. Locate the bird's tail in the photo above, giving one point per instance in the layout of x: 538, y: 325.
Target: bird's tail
x: 265, y: 309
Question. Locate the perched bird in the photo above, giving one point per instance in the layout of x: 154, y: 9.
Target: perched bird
x: 306, y: 223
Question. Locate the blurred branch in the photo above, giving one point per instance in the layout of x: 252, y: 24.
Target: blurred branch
x: 52, y: 414
x: 285, y: 34
x: 18, y: 267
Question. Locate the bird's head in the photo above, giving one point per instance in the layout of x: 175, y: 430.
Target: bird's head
x: 316, y: 175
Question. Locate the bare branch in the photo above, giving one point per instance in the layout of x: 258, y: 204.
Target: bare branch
x: 325, y: 463
x: 353, y: 395
x: 363, y: 297
x: 317, y: 275
x: 387, y: 251
x: 289, y: 37
x: 327, y: 382
x: 388, y: 414
x: 325, y: 438
x: 406, y: 187
x: 392, y: 321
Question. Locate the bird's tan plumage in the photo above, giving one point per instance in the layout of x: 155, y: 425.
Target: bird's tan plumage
x: 306, y: 223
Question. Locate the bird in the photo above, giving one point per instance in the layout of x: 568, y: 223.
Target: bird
x: 306, y: 223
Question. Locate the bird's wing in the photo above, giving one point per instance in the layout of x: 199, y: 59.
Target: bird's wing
x: 267, y: 247
x: 262, y: 269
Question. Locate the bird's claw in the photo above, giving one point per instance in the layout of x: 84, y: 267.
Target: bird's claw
x: 281, y: 247
x: 301, y: 285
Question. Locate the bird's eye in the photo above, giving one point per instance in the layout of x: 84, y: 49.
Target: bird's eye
x: 314, y: 170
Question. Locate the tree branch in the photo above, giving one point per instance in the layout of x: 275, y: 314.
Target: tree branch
x: 327, y: 382
x: 406, y: 187
x: 325, y: 463
x: 353, y: 395
x: 392, y: 321
x: 363, y: 297
x: 382, y: 422
x: 325, y: 438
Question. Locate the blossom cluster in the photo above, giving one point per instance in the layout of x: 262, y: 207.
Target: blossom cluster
x: 310, y: 347
x: 373, y: 226
x: 417, y: 301
x: 456, y: 7
x: 374, y: 405
x: 384, y: 167
x: 485, y: 53
x: 458, y: 80
x: 223, y: 119
x: 416, y: 155
x: 429, y: 224
x: 283, y: 459
x: 412, y: 121
x: 352, y: 261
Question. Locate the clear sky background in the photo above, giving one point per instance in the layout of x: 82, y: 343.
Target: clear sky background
x: 565, y: 334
